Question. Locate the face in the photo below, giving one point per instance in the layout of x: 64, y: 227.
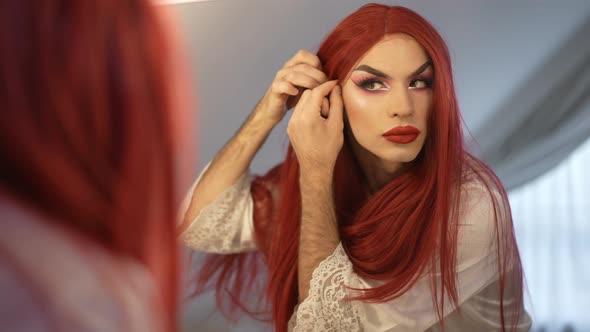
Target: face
x: 387, y: 97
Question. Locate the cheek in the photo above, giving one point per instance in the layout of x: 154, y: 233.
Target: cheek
x: 422, y: 106
x: 358, y: 112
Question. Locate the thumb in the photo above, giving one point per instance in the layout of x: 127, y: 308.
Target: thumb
x: 336, y: 106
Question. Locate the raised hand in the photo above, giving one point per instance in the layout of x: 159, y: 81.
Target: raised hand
x: 302, y: 71
x: 315, y: 133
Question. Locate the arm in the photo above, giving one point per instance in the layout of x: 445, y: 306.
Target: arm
x: 309, y: 125
x: 225, y: 225
x: 230, y: 163
x: 319, y: 227
x: 234, y: 159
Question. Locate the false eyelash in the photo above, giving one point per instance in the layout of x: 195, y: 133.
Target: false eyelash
x: 427, y: 80
x: 362, y: 83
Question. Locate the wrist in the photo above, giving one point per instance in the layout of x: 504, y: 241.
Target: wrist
x: 261, y: 120
x: 263, y: 116
x: 316, y: 169
x: 315, y: 177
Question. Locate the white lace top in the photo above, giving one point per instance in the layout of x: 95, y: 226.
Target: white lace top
x: 226, y: 226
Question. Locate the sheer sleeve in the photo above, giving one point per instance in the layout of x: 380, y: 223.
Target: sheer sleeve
x: 226, y: 224
x: 53, y: 279
x: 18, y: 310
x: 325, y: 309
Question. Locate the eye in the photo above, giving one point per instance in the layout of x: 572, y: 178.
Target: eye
x: 371, y: 84
x: 421, y: 83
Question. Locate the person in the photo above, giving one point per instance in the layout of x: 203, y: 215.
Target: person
x: 90, y: 178
x: 378, y: 219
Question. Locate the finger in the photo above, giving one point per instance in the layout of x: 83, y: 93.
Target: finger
x: 325, y: 108
x: 336, y: 106
x: 293, y: 100
x: 300, y: 79
x: 318, y: 75
x: 284, y: 87
x: 302, y: 101
x: 321, y: 91
x: 304, y: 56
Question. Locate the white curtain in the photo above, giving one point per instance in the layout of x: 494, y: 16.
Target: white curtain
x: 553, y: 230
x: 530, y: 143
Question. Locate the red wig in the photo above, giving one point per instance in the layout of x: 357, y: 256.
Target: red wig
x: 408, y: 228
x: 86, y: 131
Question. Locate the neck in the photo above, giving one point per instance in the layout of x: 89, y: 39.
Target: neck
x: 378, y: 173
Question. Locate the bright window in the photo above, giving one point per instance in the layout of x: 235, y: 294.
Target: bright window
x: 552, y: 220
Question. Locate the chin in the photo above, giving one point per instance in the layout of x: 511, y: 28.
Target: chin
x: 403, y: 153
x: 399, y: 156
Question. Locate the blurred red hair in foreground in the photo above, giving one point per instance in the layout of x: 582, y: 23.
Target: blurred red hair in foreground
x: 90, y: 141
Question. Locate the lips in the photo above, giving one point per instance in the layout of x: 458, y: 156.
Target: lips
x: 402, y: 135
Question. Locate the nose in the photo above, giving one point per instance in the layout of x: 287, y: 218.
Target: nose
x: 400, y: 103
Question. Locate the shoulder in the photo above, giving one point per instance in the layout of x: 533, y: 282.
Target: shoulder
x: 477, y: 195
x: 18, y: 309
x: 59, y: 279
x: 483, y: 211
x: 483, y: 197
x: 482, y: 191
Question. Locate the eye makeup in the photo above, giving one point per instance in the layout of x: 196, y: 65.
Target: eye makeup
x: 370, y: 83
x: 374, y: 81
x: 421, y: 82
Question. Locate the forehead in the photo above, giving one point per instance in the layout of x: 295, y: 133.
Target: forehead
x: 395, y: 54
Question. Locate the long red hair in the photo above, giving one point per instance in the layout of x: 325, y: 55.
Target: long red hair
x: 86, y: 131
x: 408, y: 228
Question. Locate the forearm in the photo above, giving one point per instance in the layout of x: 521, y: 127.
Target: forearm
x: 319, y: 227
x: 230, y: 162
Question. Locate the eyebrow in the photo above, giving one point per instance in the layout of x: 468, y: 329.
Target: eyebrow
x: 379, y: 73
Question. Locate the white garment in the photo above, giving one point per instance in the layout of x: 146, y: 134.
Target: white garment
x: 54, y: 280
x: 226, y: 226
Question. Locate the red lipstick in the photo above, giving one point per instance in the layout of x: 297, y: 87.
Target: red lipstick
x: 402, y: 135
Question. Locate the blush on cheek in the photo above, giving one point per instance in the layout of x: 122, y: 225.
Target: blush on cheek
x: 356, y: 101
x: 357, y: 110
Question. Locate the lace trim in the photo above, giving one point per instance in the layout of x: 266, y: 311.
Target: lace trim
x: 326, y: 309
x: 218, y: 227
